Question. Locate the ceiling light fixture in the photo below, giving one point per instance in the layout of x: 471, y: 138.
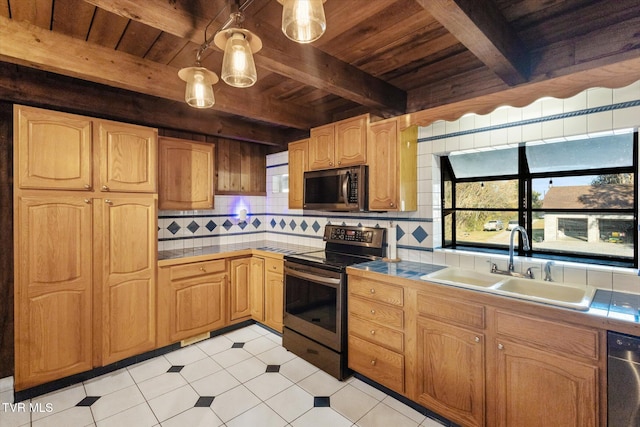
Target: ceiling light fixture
x: 239, y: 45
x: 199, y: 90
x: 303, y: 21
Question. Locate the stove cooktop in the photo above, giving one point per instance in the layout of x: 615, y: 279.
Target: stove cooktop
x: 327, y: 259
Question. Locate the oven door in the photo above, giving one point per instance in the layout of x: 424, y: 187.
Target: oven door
x: 315, y: 304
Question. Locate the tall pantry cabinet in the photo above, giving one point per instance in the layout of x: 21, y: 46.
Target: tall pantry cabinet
x: 85, y: 203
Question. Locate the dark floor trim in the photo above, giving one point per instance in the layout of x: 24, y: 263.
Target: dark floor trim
x: 61, y: 383
x: 424, y: 411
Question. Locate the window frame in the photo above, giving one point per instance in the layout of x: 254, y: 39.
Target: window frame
x: 525, y: 210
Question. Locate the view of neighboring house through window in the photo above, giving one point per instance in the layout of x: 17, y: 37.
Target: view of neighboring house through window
x: 576, y: 198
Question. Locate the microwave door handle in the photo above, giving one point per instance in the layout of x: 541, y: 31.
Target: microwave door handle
x: 346, y: 183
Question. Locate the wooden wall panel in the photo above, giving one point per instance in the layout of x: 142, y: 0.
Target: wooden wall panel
x: 6, y: 243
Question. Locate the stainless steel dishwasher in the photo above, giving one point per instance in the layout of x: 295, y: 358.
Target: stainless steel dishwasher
x: 623, y: 380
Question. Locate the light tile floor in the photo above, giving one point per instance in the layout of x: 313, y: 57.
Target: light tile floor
x: 242, y: 378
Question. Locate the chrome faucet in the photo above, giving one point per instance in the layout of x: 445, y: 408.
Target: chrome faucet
x: 525, y: 244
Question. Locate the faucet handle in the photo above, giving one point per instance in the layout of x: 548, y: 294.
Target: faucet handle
x: 529, y: 272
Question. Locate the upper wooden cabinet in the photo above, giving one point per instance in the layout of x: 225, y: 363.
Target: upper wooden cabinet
x: 392, y: 156
x: 53, y: 149
x: 298, y: 163
x: 128, y: 157
x: 339, y: 144
x: 185, y: 174
x: 241, y: 168
x: 65, y: 151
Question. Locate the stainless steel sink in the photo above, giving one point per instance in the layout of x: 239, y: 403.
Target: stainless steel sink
x: 461, y: 277
x: 560, y: 294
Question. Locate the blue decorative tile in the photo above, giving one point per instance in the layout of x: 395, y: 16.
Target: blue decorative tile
x: 419, y: 234
x: 399, y: 233
x: 227, y: 225
x: 242, y: 224
x: 173, y: 227
x: 282, y: 224
x: 293, y: 225
x: 211, y: 226
x: 273, y: 223
x: 315, y: 226
x: 193, y: 226
x: 256, y: 223
x: 304, y: 225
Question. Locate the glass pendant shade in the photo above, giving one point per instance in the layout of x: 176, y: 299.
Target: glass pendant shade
x: 199, y: 90
x: 303, y: 21
x: 238, y: 67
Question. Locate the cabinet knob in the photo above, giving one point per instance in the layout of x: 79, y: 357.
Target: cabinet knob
x: 330, y: 163
x: 373, y: 362
x: 373, y: 311
x: 203, y: 269
x: 105, y: 188
x: 500, y: 347
x: 373, y: 332
x: 373, y: 291
x: 87, y: 187
x: 108, y: 201
x: 87, y: 201
x: 339, y: 162
x: 391, y: 204
x: 477, y: 339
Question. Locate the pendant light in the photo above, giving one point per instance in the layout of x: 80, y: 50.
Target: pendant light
x: 303, y: 21
x: 199, y: 90
x: 239, y: 45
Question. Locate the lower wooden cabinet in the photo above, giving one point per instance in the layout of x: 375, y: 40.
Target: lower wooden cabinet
x: 471, y: 362
x: 274, y: 294
x: 85, y: 288
x: 451, y: 371
x: 256, y: 287
x: 537, y: 388
x: 240, y: 288
x: 192, y: 299
x: 125, y: 266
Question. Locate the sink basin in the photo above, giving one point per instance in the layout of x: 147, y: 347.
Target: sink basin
x: 559, y: 294
x: 461, y: 277
x: 565, y: 295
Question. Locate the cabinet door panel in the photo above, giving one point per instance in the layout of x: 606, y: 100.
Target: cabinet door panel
x: 383, y: 166
x: 351, y: 142
x: 185, y: 175
x: 451, y: 371
x: 274, y: 300
x: 536, y: 388
x: 128, y: 157
x: 239, y: 290
x: 322, y: 147
x: 53, y: 288
x: 298, y: 160
x: 53, y: 149
x: 126, y: 251
x: 257, y: 289
x: 197, y: 306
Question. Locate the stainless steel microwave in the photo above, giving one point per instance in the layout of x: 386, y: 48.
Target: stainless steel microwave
x: 337, y: 190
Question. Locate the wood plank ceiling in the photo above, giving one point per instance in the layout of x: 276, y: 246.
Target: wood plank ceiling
x: 386, y: 57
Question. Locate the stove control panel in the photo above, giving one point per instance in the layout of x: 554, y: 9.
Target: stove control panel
x: 351, y: 235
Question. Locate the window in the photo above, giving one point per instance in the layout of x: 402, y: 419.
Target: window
x: 576, y: 198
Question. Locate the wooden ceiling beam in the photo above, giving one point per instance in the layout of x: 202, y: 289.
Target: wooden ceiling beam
x: 24, y: 85
x: 304, y: 63
x: 38, y: 48
x: 482, y: 29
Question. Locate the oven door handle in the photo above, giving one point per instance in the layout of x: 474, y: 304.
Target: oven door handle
x: 312, y: 277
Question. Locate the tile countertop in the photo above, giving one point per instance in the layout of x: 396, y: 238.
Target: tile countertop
x: 612, y: 305
x: 261, y: 245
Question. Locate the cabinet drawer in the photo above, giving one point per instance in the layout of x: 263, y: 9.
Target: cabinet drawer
x: 274, y: 265
x: 567, y: 340
x: 379, y: 364
x: 375, y: 333
x: 197, y: 269
x: 380, y: 313
x: 377, y: 291
x: 450, y: 310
